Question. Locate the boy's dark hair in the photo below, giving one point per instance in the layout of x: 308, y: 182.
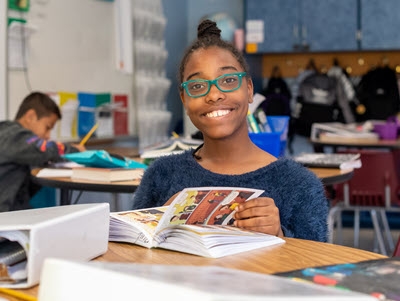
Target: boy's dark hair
x: 209, y: 35
x: 41, y: 103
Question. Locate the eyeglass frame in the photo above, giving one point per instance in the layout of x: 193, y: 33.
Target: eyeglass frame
x: 213, y: 82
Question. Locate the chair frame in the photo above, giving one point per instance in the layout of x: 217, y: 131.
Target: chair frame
x: 378, y: 215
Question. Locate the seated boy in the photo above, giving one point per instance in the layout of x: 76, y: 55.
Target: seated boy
x: 24, y: 143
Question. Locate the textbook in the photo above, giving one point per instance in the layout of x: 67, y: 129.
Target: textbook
x: 106, y: 174
x: 342, y: 161
x: 378, y: 277
x: 198, y: 221
x: 103, y: 281
x: 169, y: 147
x: 340, y: 132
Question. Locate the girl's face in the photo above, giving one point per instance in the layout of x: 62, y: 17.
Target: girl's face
x: 217, y: 114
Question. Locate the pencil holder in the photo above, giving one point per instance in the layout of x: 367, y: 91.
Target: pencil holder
x: 273, y: 141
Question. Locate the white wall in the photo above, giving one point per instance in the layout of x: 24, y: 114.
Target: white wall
x: 73, y: 50
x: 3, y: 60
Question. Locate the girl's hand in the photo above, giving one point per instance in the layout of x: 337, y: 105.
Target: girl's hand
x: 259, y: 214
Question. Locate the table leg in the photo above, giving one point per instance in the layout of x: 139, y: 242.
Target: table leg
x: 115, y: 200
x: 64, y: 197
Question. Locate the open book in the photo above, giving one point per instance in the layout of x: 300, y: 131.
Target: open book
x: 342, y: 160
x: 198, y: 221
x: 171, y: 146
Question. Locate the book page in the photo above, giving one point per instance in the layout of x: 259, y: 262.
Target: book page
x: 136, y: 226
x: 206, y: 205
x: 213, y: 240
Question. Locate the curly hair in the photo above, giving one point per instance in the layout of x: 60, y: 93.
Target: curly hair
x: 209, y: 35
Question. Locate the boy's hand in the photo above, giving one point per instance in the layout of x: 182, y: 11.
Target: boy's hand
x: 259, y: 214
x: 81, y: 148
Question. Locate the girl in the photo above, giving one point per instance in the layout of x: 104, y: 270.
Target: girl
x: 216, y: 89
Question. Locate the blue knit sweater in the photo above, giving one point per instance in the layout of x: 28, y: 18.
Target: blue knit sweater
x: 297, y: 192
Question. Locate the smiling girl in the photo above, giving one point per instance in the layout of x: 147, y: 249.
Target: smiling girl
x: 216, y: 90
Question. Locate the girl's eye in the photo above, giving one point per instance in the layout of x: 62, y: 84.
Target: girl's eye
x: 196, y: 86
x: 229, y: 80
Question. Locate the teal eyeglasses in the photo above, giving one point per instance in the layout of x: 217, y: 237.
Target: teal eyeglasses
x: 225, y: 83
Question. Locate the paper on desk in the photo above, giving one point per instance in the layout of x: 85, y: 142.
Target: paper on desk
x: 54, y: 173
x: 66, y: 164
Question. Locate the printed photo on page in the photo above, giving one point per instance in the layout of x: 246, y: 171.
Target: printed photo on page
x: 212, y: 206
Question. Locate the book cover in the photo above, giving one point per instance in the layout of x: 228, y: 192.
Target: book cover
x: 106, y: 174
x: 379, y: 278
x: 341, y: 161
x: 86, y: 112
x: 191, y: 223
x: 92, y: 281
x: 121, y: 120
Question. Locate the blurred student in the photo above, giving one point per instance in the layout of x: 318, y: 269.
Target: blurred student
x: 216, y: 89
x: 24, y: 144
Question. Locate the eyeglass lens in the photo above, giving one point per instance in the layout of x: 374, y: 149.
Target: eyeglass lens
x: 225, y: 83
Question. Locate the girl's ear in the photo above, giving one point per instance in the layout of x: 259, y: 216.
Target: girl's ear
x: 182, y: 95
x: 250, y: 89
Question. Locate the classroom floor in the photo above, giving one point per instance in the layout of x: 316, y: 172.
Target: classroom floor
x: 366, y: 241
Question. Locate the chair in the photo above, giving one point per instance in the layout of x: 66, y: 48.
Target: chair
x: 396, y: 251
x: 374, y: 188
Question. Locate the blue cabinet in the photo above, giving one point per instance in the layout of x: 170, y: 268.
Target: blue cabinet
x: 329, y: 25
x: 301, y: 25
x: 280, y: 18
x: 380, y: 24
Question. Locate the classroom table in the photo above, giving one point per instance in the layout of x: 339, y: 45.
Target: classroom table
x: 67, y: 185
x: 331, y: 176
x: 292, y: 255
x: 328, y: 176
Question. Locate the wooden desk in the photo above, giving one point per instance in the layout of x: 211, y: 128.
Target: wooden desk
x: 294, y: 254
x: 331, y: 176
x: 67, y: 185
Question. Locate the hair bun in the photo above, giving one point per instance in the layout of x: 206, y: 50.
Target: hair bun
x: 208, y: 28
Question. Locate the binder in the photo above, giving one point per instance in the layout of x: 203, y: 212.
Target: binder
x: 74, y: 232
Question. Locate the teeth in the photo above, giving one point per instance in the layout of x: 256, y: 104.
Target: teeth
x: 218, y: 113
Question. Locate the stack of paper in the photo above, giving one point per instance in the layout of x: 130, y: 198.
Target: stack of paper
x: 337, y: 132
x: 107, y: 174
x: 342, y: 161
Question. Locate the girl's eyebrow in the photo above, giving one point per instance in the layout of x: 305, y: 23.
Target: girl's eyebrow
x: 222, y: 69
x: 192, y: 75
